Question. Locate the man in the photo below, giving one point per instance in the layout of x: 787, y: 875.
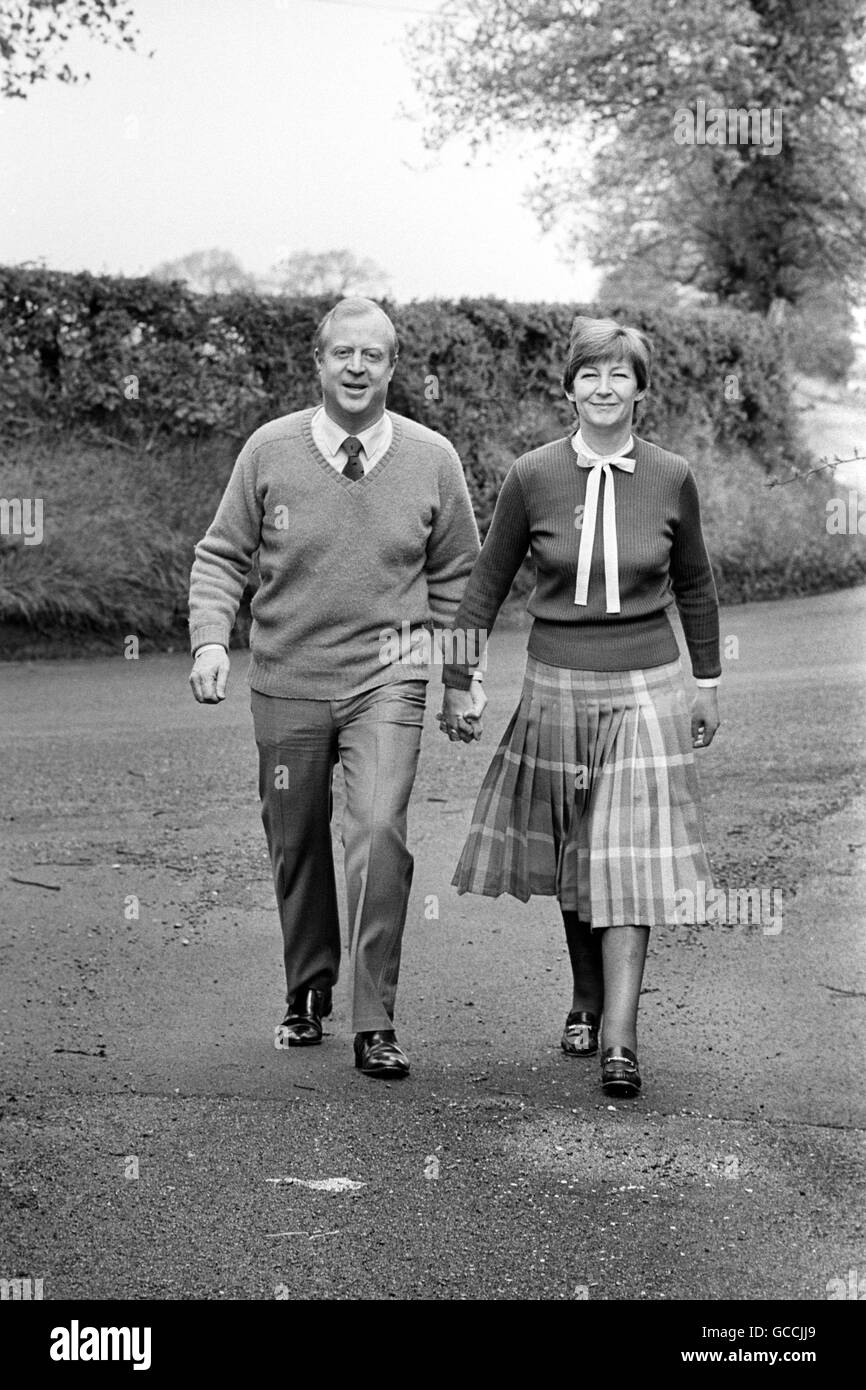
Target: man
x: 363, y: 525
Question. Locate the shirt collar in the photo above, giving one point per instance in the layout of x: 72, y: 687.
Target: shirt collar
x: 334, y: 435
x: 580, y: 446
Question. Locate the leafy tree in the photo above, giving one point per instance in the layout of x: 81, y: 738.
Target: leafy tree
x: 601, y: 85
x: 819, y: 333
x: 638, y: 282
x: 328, y: 273
x: 207, y: 272
x: 33, y: 33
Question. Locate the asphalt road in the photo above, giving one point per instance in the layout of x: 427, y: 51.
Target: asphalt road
x: 155, y: 1144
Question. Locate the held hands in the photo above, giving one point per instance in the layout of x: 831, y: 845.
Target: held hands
x: 209, y: 676
x: 460, y: 717
x: 705, y: 716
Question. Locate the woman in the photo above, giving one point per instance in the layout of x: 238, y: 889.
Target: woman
x: 592, y: 794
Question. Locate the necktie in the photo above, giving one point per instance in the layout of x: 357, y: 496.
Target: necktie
x: 354, y: 468
x: 597, y: 466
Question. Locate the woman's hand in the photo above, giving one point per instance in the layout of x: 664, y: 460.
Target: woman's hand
x: 705, y: 716
x: 460, y: 717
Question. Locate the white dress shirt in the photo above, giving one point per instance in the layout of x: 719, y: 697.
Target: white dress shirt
x: 329, y: 438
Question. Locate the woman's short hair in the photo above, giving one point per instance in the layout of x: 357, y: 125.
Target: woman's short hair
x: 604, y: 340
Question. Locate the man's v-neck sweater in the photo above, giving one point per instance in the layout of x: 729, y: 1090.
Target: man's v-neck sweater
x: 662, y: 560
x: 341, y: 562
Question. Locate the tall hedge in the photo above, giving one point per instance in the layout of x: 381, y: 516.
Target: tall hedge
x: 138, y: 360
x: 123, y: 403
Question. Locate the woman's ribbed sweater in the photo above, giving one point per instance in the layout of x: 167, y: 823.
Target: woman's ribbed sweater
x: 662, y: 560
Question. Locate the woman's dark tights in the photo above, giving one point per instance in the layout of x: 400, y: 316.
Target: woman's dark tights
x: 584, y: 950
x: 608, y: 971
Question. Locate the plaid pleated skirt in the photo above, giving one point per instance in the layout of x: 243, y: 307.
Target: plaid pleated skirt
x: 592, y: 797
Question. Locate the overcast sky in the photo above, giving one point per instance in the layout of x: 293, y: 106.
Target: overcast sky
x: 265, y: 127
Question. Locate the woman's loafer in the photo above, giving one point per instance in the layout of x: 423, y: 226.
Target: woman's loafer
x: 580, y: 1038
x: 619, y: 1072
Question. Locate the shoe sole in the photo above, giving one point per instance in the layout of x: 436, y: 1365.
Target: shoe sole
x: 386, y: 1073
x: 626, y: 1090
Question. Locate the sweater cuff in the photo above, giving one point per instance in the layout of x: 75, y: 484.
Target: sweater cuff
x: 209, y: 647
x: 217, y: 633
x: 707, y: 682
x: 457, y: 677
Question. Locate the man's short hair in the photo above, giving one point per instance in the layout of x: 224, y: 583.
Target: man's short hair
x: 353, y: 307
x: 604, y: 340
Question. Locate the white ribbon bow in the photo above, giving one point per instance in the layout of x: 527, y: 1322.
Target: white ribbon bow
x: 598, y: 465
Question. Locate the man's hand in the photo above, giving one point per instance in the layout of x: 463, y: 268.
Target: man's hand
x: 705, y: 716
x: 461, y: 713
x: 209, y: 676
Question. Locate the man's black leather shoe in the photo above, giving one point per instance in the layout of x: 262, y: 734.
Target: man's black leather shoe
x: 379, y: 1054
x: 302, y: 1025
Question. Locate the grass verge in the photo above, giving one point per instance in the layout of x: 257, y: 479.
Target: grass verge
x: 120, y: 525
